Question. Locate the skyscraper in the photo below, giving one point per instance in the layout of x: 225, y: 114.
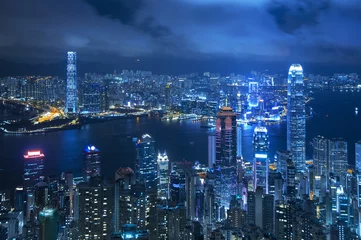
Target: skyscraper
x: 146, y: 167
x: 33, y: 168
x: 260, y: 162
x: 358, y: 156
x: 163, y: 176
x: 296, y: 117
x: 320, y: 155
x: 226, y: 137
x: 96, y: 199
x: 211, y: 150
x: 71, y: 84
x: 91, y: 162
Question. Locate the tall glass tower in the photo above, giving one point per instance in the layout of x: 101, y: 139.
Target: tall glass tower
x: 71, y: 84
x: 296, y: 117
x: 146, y: 167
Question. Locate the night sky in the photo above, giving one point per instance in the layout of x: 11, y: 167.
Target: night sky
x: 184, y: 35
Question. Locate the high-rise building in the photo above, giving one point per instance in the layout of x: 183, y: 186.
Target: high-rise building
x: 91, y: 166
x: 48, y: 218
x: 96, y: 201
x: 163, y: 176
x: 338, y: 158
x: 283, y: 220
x: 320, y: 155
x: 211, y: 150
x: 239, y: 141
x: 358, y: 156
x: 282, y: 158
x: 260, y: 162
x: 296, y: 117
x: 146, y: 167
x: 71, y: 84
x: 226, y: 137
x: 33, y: 168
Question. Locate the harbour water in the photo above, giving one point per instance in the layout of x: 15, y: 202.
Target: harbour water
x: 334, y: 117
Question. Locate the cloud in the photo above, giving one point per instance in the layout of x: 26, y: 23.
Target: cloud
x: 202, y: 30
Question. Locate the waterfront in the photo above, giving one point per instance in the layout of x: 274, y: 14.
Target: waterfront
x: 334, y: 117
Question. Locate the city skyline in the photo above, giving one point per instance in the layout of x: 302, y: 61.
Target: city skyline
x: 183, y: 119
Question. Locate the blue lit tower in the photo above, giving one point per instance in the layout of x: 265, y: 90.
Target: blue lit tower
x: 71, y: 84
x: 260, y: 163
x: 146, y: 167
x: 91, y: 167
x: 163, y: 176
x: 296, y: 117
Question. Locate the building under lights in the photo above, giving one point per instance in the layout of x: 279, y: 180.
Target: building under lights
x: 96, y: 201
x: 226, y: 137
x: 260, y: 163
x: 253, y: 94
x: 163, y: 176
x: 48, y: 219
x: 146, y: 167
x: 358, y: 156
x: 91, y: 166
x: 296, y: 117
x: 71, y: 84
x: 33, y: 168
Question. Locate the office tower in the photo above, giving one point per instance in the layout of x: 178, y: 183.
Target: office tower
x: 90, y: 96
x: 96, y: 201
x: 239, y: 103
x: 260, y: 162
x: 296, y: 117
x: 71, y: 84
x: 124, y: 179
x: 211, y: 150
x: 338, y: 159
x: 190, y: 194
x: 251, y: 207
x: 163, y: 176
x: 146, y: 167
x: 290, y: 181
x: 342, y: 204
x: 239, y: 141
x: 282, y: 158
x: 226, y: 139
x: 48, y: 218
x: 358, y: 156
x: 268, y: 213
x: 131, y: 206
x: 283, y: 220
x: 259, y: 207
x: 33, y: 168
x: 130, y: 231
x: 91, y: 164
x: 320, y: 155
x: 253, y: 94
x: 171, y: 222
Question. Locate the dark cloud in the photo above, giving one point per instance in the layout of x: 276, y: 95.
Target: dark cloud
x: 123, y: 10
x: 187, y: 31
x: 292, y: 15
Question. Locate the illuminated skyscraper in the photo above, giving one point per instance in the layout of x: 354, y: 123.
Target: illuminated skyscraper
x: 163, y: 176
x: 320, y: 155
x: 226, y: 137
x: 358, y: 156
x: 71, y: 84
x: 146, y: 167
x: 96, y: 201
x: 91, y: 162
x: 211, y: 150
x: 296, y: 117
x: 260, y: 164
x: 33, y: 168
x: 48, y: 224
